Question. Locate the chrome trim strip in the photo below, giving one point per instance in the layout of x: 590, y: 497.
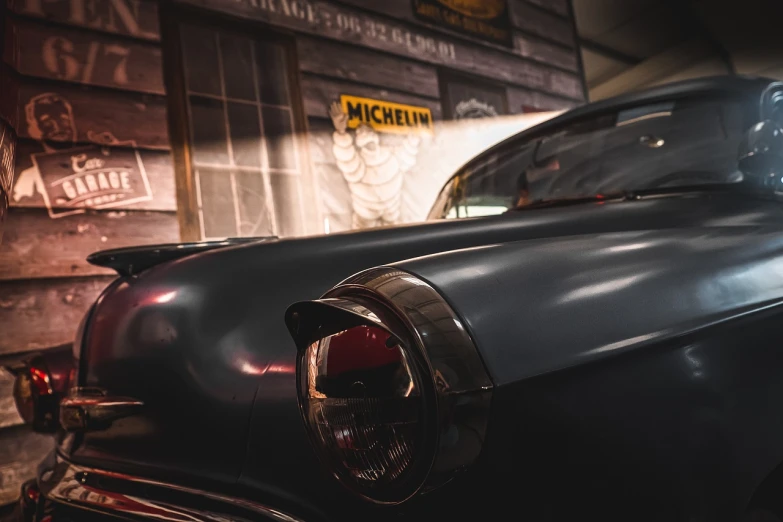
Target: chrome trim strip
x: 87, y: 409
x: 89, y: 488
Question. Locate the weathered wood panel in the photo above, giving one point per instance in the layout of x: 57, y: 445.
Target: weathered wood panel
x: 520, y: 99
x: 92, y: 115
x: 363, y: 29
x: 8, y: 414
x: 87, y: 58
x: 36, y: 246
x: 348, y: 62
x: 137, y: 18
x: 36, y: 314
x: 21, y: 451
x: 556, y: 6
x: 157, y: 165
x: 318, y: 94
x: 534, y: 48
x: 9, y: 90
x: 522, y: 45
x: 533, y: 20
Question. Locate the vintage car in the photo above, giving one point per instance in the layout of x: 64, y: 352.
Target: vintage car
x: 601, y: 345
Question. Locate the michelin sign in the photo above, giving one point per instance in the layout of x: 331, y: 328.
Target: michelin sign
x: 384, y: 116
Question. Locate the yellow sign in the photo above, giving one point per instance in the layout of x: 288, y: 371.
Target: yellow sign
x: 384, y: 116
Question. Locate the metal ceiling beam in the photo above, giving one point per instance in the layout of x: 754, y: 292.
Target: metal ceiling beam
x: 686, y: 9
x: 662, y: 65
x: 608, y: 52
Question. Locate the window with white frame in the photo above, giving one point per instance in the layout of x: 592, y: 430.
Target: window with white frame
x: 244, y: 162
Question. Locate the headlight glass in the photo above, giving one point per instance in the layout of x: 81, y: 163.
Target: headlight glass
x: 363, y: 402
x: 392, y: 389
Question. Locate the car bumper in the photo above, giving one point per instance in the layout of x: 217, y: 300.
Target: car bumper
x: 66, y: 491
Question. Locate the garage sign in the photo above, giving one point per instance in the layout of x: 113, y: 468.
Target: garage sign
x: 91, y: 177
x: 385, y: 116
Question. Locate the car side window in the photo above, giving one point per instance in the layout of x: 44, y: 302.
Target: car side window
x: 487, y: 187
x: 688, y: 141
x: 517, y: 172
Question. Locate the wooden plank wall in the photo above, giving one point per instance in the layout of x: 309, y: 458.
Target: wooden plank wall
x: 101, y: 63
x: 20, y: 453
x: 379, y: 49
x: 103, y: 60
x: 540, y: 71
x: 542, y: 64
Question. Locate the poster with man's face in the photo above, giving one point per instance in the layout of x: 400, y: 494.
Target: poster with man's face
x: 71, y: 177
x: 50, y: 118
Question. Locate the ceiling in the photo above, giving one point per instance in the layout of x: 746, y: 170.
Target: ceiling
x: 631, y: 44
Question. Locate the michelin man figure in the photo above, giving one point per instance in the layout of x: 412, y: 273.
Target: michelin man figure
x: 374, y: 172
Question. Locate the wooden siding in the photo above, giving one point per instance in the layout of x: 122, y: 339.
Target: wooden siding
x: 88, y: 58
x: 20, y: 452
x: 389, y: 27
x: 103, y: 61
x: 341, y: 61
x: 36, y: 246
x: 45, y: 312
x: 102, y: 64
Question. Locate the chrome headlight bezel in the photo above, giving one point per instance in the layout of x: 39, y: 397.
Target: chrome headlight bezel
x: 456, y: 391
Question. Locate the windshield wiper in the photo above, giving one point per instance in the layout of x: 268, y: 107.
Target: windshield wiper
x: 681, y: 189
x: 566, y: 202
x: 625, y: 195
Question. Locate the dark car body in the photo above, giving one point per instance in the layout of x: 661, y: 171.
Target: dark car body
x: 631, y: 343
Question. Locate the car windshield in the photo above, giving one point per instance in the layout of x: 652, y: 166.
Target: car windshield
x: 685, y: 142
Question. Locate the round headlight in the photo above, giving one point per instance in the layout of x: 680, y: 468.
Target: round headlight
x: 363, y: 398
x: 391, y: 387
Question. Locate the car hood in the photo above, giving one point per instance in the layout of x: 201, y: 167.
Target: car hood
x: 563, y: 302
x: 201, y: 340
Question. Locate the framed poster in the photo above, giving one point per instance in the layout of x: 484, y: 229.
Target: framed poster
x: 91, y: 176
x: 464, y: 97
x: 485, y: 19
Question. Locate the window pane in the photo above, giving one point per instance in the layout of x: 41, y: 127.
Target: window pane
x: 272, y: 73
x: 253, y: 211
x: 237, y: 67
x: 285, y: 189
x: 279, y: 136
x: 245, y: 134
x: 497, y: 183
x: 208, y: 126
x: 217, y: 203
x: 199, y: 50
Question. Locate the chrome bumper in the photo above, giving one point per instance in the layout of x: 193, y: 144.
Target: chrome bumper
x: 64, y: 489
